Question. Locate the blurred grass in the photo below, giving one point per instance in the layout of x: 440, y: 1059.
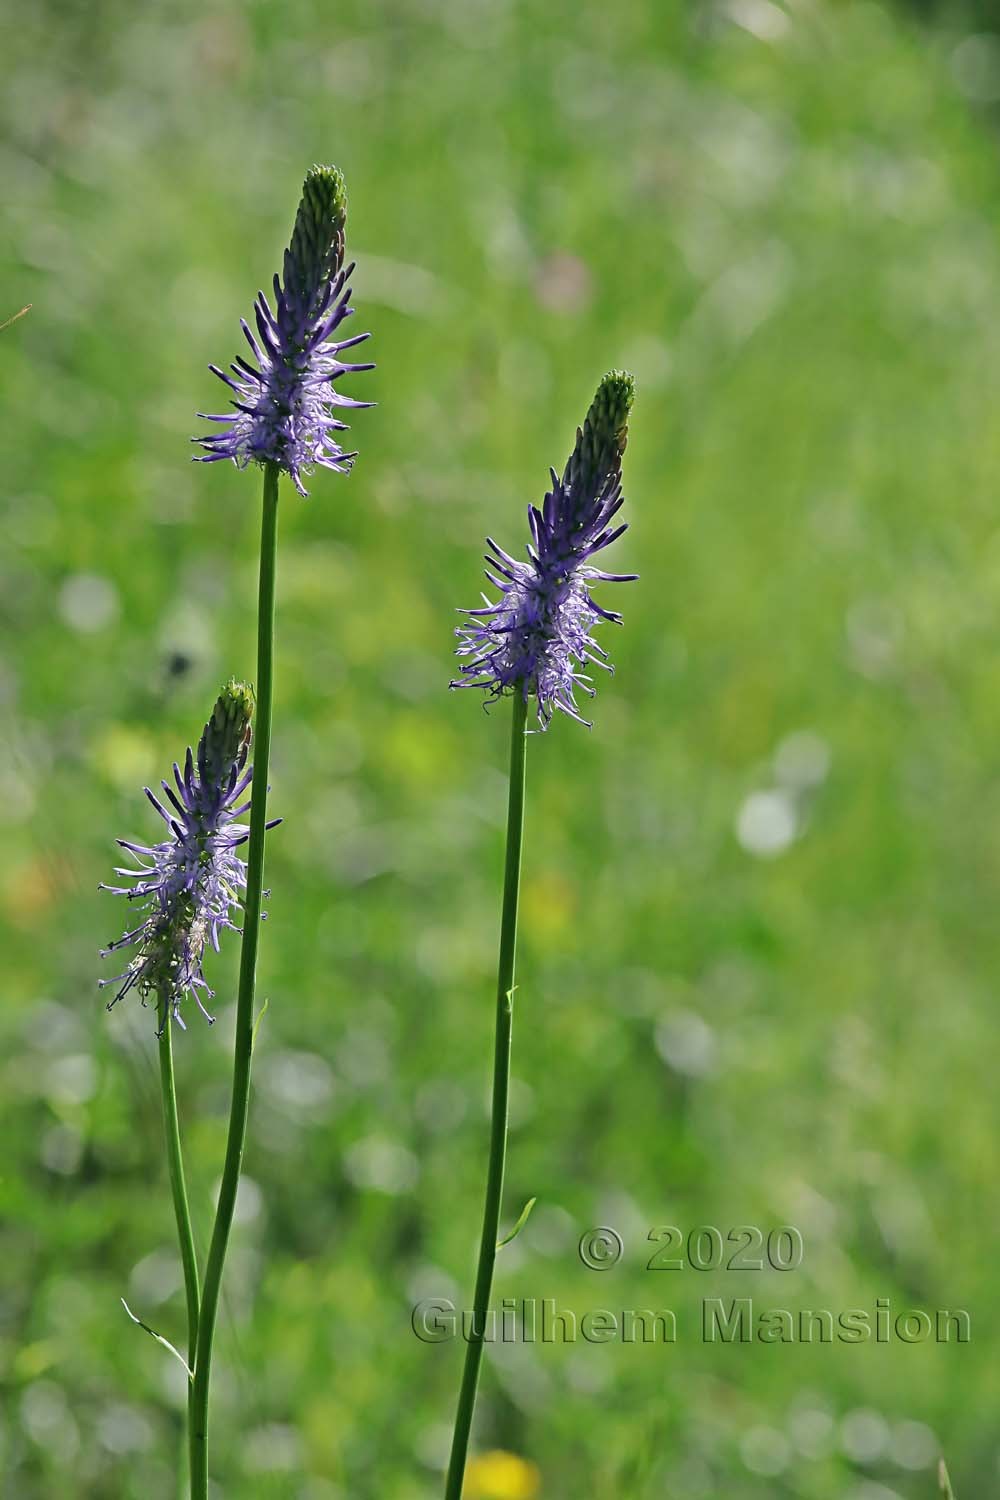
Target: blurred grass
x: 784, y: 219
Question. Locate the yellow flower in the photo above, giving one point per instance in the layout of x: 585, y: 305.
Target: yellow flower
x: 500, y: 1476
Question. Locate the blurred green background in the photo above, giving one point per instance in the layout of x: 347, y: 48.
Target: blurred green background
x: 760, y: 938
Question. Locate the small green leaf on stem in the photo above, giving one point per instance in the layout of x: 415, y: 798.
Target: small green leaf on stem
x: 15, y: 317
x: 256, y: 1025
x: 159, y: 1339
x: 525, y: 1213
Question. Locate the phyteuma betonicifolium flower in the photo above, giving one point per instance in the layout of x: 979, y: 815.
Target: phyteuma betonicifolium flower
x: 284, y: 405
x: 536, y: 639
x: 188, y: 887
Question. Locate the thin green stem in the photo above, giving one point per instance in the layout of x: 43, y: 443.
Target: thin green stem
x: 178, y: 1187
x: 245, y: 1002
x: 498, y: 1124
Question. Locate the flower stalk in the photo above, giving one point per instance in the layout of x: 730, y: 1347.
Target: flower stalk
x: 178, y: 1185
x: 534, y: 643
x: 499, y: 1109
x: 187, y: 889
x: 240, y: 1103
x: 284, y: 419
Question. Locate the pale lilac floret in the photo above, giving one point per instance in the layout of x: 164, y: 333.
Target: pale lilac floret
x: 285, y: 404
x: 536, y: 639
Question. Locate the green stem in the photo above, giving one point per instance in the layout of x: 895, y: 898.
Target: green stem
x: 498, y: 1124
x: 245, y: 1001
x: 178, y: 1188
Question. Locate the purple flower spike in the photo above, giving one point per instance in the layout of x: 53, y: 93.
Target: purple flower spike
x: 188, y: 886
x: 537, y: 638
x: 283, y: 405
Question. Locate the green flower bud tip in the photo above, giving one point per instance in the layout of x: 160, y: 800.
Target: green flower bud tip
x: 228, y: 730
x: 600, y: 442
x: 317, y: 244
x: 609, y: 411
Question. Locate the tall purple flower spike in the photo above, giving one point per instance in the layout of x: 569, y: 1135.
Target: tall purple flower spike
x: 536, y: 639
x: 188, y: 886
x: 283, y: 406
